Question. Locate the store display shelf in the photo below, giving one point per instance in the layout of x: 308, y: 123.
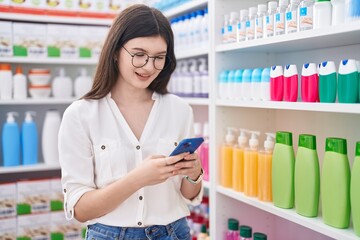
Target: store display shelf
x: 315, y: 224
x: 197, y: 101
x: 333, y: 36
x: 62, y: 61
x: 186, y: 7
x: 29, y: 168
x: 54, y: 19
x: 192, y: 52
x: 40, y: 101
x: 301, y: 106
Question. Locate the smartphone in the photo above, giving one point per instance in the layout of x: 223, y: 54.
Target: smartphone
x: 187, y: 145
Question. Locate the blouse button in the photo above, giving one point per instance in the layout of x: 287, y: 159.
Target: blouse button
x: 139, y: 223
x: 175, y: 144
x: 140, y: 198
x: 64, y: 190
x: 137, y: 147
x: 103, y: 147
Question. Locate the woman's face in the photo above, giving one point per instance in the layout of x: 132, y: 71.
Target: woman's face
x: 131, y: 71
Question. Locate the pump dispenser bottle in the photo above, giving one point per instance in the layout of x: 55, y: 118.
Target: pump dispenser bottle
x: 307, y: 177
x: 283, y: 165
x: 11, y: 141
x: 29, y: 139
x: 355, y: 190
x: 251, y: 166
x: 264, y: 169
x: 227, y: 158
x: 238, y: 161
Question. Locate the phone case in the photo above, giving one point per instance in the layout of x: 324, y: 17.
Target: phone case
x: 187, y: 145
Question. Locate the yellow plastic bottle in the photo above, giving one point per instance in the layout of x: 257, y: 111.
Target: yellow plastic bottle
x: 264, y: 170
x: 251, y: 166
x: 226, y: 160
x: 238, y: 161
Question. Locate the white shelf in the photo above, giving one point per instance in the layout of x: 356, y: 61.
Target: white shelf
x: 315, y: 224
x: 190, y: 53
x: 29, y: 168
x: 333, y: 36
x: 43, y: 101
x: 301, y: 106
x: 54, y: 19
x: 186, y: 7
x: 62, y: 61
x: 197, y: 101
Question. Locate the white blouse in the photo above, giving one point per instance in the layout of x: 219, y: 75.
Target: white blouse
x: 97, y: 147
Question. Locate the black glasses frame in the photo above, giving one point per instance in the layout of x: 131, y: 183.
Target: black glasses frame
x: 167, y: 59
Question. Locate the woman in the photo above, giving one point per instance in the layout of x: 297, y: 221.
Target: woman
x: 114, y: 142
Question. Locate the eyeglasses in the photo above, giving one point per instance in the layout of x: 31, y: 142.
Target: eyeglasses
x: 140, y: 59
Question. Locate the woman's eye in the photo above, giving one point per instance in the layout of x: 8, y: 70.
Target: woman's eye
x: 160, y: 57
x: 140, y: 54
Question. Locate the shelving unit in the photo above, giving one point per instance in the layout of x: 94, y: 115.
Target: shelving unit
x: 49, y: 61
x: 186, y: 7
x: 29, y: 168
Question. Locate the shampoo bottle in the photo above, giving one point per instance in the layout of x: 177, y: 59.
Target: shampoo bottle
x: 276, y: 83
x: 265, y: 85
x: 327, y: 82
x: 256, y: 84
x: 348, y: 82
x: 82, y: 83
x: 307, y: 177
x: 29, y: 139
x: 232, y: 232
x: 309, y: 83
x: 62, y: 86
x: 264, y: 170
x: 335, y: 184
x: 49, y: 138
x: 290, y: 83
x: 227, y: 158
x: 204, y: 152
x: 11, y: 141
x: 283, y: 165
x: 20, y: 84
x: 251, y: 166
x: 245, y: 232
x: 238, y: 161
x: 355, y: 190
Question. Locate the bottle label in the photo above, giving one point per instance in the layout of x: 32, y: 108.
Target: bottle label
x: 259, y: 27
x: 269, y: 25
x: 250, y: 29
x: 306, y: 18
x: 241, y: 31
x: 232, y: 33
x: 279, y: 23
x: 291, y: 21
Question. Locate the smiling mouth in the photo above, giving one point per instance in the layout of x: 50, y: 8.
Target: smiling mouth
x: 141, y: 75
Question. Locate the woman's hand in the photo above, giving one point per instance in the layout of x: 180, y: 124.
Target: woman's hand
x: 190, y: 166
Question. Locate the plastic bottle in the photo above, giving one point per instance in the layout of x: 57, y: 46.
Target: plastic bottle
x: 224, y: 32
x: 223, y: 82
x: 327, y: 82
x: 196, y: 78
x: 245, y: 232
x: 265, y: 85
x: 232, y: 232
x: 264, y: 170
x: 280, y: 17
x: 259, y: 23
x: 322, y: 14
x: 283, y: 165
x: 203, y: 233
x: 250, y: 23
x: 251, y: 158
x: 276, y: 83
x: 290, y: 83
x: 82, y: 83
x: 335, y: 184
x: 20, y: 84
x: 11, y: 141
x: 227, y: 158
x: 259, y: 236
x: 238, y: 161
x: 232, y: 26
x: 238, y: 84
x: 62, y: 86
x: 291, y: 19
x: 204, y: 26
x: 187, y: 80
x: 338, y: 12
x: 256, y: 84
x: 307, y: 177
x: 352, y: 10
x: 241, y: 29
x: 204, y: 152
x: 246, y: 84
x: 306, y: 14
x: 29, y: 140
x: 231, y: 85
x: 6, y: 81
x: 348, y: 82
x: 204, y: 78
x: 49, y: 138
x: 355, y: 190
x: 309, y: 83
x: 269, y: 19
x: 192, y: 29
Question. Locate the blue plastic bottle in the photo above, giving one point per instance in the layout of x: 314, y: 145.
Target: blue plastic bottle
x: 29, y: 140
x: 11, y: 141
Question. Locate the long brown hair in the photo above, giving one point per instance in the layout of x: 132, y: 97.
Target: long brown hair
x: 135, y: 21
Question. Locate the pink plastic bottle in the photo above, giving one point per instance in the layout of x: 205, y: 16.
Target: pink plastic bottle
x: 276, y: 83
x: 309, y: 83
x: 204, y: 152
x: 290, y: 83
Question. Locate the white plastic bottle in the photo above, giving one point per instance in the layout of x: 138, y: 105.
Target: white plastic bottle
x: 238, y: 84
x: 265, y: 85
x: 231, y: 85
x: 241, y: 28
x: 306, y: 15
x: 232, y: 25
x: 62, y: 86
x: 196, y: 80
x: 191, y: 29
x: 291, y: 19
x: 246, y: 84
x: 82, y: 83
x: 204, y: 78
x: 20, y: 84
x: 6, y: 81
x: 197, y: 28
x: 224, y: 32
x: 269, y: 19
x: 250, y: 24
x: 322, y: 14
x: 187, y: 80
x: 338, y: 12
x: 204, y: 26
x: 259, y: 23
x: 49, y: 138
x: 256, y: 84
x: 280, y: 17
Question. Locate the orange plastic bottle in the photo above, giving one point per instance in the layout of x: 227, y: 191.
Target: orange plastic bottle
x: 238, y: 161
x: 226, y: 160
x: 264, y: 170
x: 251, y: 166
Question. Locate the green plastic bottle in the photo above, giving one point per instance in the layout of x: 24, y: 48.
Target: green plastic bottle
x: 307, y: 177
x: 335, y: 184
x: 355, y: 190
x: 327, y: 82
x: 283, y: 165
x: 348, y: 82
